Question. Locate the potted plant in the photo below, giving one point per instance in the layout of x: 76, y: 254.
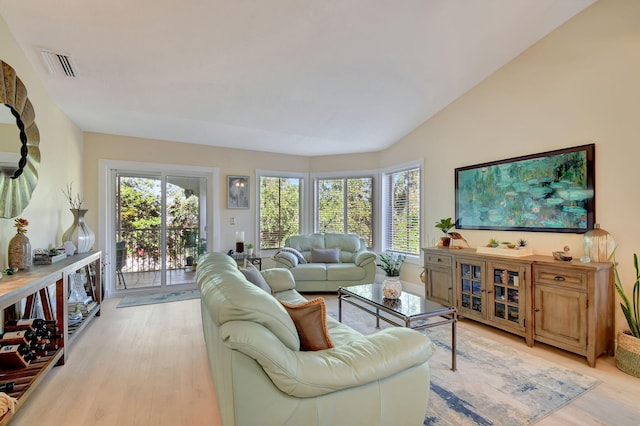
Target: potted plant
x: 250, y: 249
x: 201, y: 249
x: 391, y: 263
x: 444, y: 225
x: 628, y: 348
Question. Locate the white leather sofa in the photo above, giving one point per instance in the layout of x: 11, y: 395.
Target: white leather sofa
x: 262, y: 378
x: 354, y: 263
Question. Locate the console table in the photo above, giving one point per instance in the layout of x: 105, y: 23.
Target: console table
x: 39, y: 282
x: 569, y: 305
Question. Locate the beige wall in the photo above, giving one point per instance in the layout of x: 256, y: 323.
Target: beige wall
x: 61, y: 153
x: 578, y: 85
x: 228, y: 161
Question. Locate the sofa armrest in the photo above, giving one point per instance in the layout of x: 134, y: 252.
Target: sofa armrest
x: 309, y: 374
x: 279, y: 279
x: 364, y: 257
x: 285, y: 259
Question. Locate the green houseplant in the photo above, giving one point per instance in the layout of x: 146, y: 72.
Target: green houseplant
x: 628, y: 349
x: 391, y: 263
x: 445, y: 225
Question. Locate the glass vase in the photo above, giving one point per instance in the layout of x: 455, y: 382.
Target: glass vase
x: 598, y: 244
x: 391, y: 288
x: 79, y: 233
x: 19, y: 253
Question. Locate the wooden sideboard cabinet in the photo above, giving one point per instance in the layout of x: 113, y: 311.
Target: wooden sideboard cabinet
x: 568, y: 305
x: 574, y: 308
x: 494, y: 291
x: 438, y: 278
x: 46, y: 287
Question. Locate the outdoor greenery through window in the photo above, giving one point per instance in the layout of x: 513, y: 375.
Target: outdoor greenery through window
x: 345, y: 205
x: 139, y: 221
x: 402, y: 211
x: 280, y: 210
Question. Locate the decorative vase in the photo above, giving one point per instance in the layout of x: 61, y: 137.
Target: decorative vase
x: 79, y: 233
x: 446, y: 241
x: 250, y: 251
x: 628, y: 354
x: 19, y: 255
x: 391, y: 288
x: 598, y: 244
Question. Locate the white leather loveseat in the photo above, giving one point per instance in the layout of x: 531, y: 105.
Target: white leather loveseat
x: 263, y: 378
x: 324, y: 262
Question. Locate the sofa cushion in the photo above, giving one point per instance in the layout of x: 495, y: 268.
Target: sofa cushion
x: 228, y: 296
x: 310, y: 319
x: 253, y: 275
x: 279, y: 279
x: 345, y: 272
x: 325, y: 255
x: 310, y: 272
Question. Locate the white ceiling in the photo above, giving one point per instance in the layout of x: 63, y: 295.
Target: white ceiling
x: 300, y: 77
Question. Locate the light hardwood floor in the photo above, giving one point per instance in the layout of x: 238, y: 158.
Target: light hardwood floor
x: 147, y: 365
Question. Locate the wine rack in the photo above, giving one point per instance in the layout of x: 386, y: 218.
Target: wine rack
x: 27, y: 286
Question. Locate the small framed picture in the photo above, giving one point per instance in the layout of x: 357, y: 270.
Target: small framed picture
x: 238, y: 192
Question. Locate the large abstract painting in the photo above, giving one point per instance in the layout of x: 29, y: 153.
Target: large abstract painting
x: 552, y: 191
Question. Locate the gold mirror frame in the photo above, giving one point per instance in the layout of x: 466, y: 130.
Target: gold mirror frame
x: 16, y: 189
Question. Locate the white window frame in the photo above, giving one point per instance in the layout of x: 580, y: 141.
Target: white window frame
x: 384, y: 197
x: 304, y: 203
x: 374, y: 174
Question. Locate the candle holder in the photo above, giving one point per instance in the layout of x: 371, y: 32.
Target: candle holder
x: 239, y: 242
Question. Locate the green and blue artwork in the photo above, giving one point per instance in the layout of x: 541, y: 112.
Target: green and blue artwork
x: 551, y: 191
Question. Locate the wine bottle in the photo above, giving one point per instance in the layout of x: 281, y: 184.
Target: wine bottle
x: 15, y: 356
x: 24, y: 324
x: 18, y: 337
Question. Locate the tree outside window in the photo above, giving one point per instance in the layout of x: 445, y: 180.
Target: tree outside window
x: 402, y: 211
x: 280, y: 210
x: 345, y: 205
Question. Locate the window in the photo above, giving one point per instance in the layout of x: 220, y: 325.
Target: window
x: 401, y: 223
x: 345, y: 205
x: 280, y: 209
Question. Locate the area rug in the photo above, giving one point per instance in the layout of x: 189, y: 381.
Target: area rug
x: 494, y: 384
x: 150, y: 299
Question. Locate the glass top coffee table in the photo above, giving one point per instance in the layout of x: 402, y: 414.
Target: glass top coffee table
x: 410, y: 311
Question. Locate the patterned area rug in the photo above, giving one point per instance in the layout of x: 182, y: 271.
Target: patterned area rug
x: 494, y: 384
x: 150, y: 299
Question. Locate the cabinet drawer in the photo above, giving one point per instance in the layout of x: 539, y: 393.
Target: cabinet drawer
x: 437, y: 259
x: 560, y: 277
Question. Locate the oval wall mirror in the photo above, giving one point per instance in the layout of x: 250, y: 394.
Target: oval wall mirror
x: 19, y: 157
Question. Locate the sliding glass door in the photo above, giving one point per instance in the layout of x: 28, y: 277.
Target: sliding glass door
x: 160, y: 229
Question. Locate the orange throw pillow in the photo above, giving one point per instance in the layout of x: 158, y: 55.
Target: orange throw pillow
x: 310, y: 319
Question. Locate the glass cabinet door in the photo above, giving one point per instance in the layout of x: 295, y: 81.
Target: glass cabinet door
x: 471, y: 287
x: 506, y: 294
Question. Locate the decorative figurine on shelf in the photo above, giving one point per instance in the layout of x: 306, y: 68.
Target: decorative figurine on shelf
x: 458, y: 236
x: 19, y: 252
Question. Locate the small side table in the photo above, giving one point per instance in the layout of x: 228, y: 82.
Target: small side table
x: 253, y: 259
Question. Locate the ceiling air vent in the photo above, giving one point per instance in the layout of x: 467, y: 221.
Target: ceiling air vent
x: 58, y: 64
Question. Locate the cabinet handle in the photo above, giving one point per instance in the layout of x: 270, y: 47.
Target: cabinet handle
x: 536, y: 310
x: 559, y: 278
x: 438, y: 260
x: 490, y: 291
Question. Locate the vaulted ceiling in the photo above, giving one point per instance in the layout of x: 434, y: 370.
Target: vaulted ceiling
x: 300, y: 77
